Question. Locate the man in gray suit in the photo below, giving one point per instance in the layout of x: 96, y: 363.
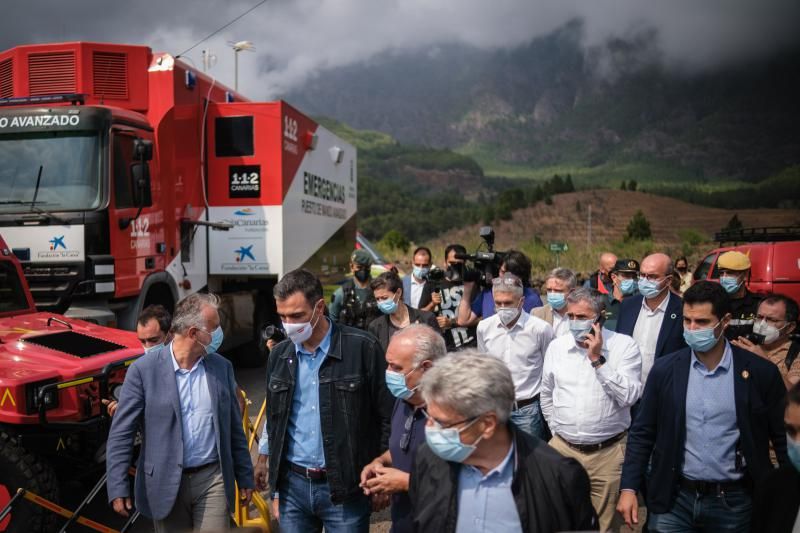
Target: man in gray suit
x: 183, y: 399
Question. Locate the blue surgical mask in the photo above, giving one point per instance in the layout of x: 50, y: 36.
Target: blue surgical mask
x: 627, y: 286
x: 701, y: 340
x: 154, y: 347
x: 649, y: 289
x: 793, y: 449
x: 579, y: 328
x: 396, y: 383
x: 387, y: 307
x: 557, y: 300
x: 216, y: 341
x: 731, y: 284
x: 446, y: 443
x: 421, y: 272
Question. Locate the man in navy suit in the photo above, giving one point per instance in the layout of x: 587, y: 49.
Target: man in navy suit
x: 653, y: 318
x: 183, y: 399
x: 707, y: 417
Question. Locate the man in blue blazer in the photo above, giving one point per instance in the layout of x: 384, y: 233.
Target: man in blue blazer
x: 707, y: 417
x: 182, y: 397
x: 654, y: 317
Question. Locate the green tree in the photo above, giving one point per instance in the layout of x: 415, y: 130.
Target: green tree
x: 622, y: 186
x: 734, y: 224
x: 632, y: 185
x: 638, y: 228
x: 396, y: 241
x: 568, y: 186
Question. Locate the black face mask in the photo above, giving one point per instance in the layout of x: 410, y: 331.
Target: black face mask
x: 681, y: 269
x: 361, y: 275
x: 455, y: 272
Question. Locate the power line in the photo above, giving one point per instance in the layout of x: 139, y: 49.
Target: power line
x: 210, y: 35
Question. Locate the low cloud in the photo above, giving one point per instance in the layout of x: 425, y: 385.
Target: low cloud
x: 296, y: 39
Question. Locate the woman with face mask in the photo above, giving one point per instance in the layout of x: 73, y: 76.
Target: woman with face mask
x: 683, y: 273
x: 395, y: 314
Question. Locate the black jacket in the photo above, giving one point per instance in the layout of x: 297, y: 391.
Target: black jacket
x: 670, y: 336
x: 776, y: 501
x: 355, y: 407
x: 658, y: 434
x: 552, y: 492
x: 380, y: 326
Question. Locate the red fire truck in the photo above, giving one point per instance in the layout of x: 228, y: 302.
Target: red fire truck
x: 129, y: 178
x: 54, y: 372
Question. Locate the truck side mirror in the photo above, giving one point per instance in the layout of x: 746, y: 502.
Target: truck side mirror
x: 142, y: 150
x: 140, y: 183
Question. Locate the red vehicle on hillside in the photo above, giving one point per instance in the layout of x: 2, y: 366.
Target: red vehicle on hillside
x: 120, y: 168
x: 54, y: 371
x: 774, y: 256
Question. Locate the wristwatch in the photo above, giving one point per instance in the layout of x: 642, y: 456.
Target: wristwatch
x: 600, y: 362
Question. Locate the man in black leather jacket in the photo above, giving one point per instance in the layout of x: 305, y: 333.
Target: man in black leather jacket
x: 328, y: 413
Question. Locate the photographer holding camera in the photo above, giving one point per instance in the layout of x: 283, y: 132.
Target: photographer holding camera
x: 445, y: 289
x: 775, y: 322
x: 471, y: 311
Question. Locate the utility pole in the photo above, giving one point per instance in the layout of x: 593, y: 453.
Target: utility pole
x: 238, y: 47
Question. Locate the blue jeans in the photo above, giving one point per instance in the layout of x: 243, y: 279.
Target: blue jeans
x: 530, y: 420
x: 726, y: 511
x: 306, y: 506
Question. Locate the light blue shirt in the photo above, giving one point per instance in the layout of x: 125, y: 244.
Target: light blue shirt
x: 711, y: 429
x: 197, y: 415
x: 485, y: 503
x: 304, y: 442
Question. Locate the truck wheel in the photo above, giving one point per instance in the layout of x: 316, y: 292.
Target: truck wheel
x: 19, y: 469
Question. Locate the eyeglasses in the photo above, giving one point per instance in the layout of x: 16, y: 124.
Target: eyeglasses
x: 651, y: 277
x: 509, y: 281
x: 771, y: 321
x: 445, y: 426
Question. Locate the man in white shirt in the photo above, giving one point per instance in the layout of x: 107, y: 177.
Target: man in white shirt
x: 558, y: 284
x: 590, y: 380
x: 520, y: 341
x: 654, y: 318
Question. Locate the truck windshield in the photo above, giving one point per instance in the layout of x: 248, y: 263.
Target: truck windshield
x: 12, y: 295
x: 69, y: 163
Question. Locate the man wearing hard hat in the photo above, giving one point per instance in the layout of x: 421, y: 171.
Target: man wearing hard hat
x: 734, y: 271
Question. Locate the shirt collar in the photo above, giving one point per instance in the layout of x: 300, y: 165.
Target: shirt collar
x: 324, y: 346
x: 176, y: 367
x: 725, y: 363
x: 415, y: 282
x: 662, y: 307
x: 504, y: 464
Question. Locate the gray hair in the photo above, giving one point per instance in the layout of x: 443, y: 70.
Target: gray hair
x: 564, y: 274
x: 470, y: 383
x: 515, y: 288
x: 428, y: 344
x: 596, y: 300
x: 189, y: 311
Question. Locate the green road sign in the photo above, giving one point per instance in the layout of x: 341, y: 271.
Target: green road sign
x: 558, y: 247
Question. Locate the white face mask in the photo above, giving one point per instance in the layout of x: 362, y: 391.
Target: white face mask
x: 300, y: 332
x: 770, y: 332
x: 507, y: 314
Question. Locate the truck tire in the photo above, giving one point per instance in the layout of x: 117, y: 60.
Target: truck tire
x: 20, y: 469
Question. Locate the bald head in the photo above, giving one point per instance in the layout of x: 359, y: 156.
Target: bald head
x: 607, y: 262
x: 659, y: 264
x: 419, y: 342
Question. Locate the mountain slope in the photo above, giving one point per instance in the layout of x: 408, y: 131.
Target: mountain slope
x: 548, y: 106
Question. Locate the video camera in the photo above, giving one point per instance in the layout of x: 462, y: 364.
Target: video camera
x: 486, y: 264
x: 272, y: 332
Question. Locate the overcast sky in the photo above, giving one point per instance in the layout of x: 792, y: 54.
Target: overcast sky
x: 294, y: 39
